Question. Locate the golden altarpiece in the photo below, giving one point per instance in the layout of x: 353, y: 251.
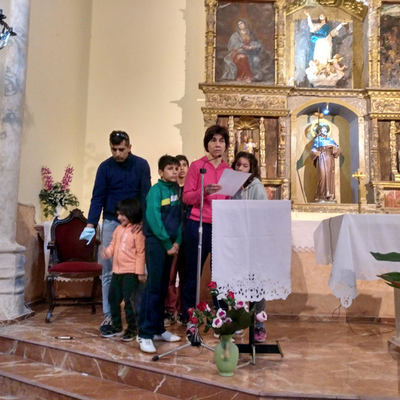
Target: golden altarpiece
x: 274, y: 100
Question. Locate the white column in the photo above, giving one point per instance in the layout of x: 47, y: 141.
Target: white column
x: 12, y: 260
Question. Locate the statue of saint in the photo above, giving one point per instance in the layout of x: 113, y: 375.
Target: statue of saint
x: 323, y: 152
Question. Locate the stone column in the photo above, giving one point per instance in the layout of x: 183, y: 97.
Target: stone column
x: 12, y: 260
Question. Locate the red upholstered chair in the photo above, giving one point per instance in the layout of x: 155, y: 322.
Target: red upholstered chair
x: 71, y: 259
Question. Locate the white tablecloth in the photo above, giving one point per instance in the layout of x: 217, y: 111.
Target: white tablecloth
x: 347, y: 241
x: 252, y: 248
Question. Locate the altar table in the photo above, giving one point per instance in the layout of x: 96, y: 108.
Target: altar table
x: 347, y: 241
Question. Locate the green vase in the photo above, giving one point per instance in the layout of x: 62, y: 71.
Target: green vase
x: 226, y: 356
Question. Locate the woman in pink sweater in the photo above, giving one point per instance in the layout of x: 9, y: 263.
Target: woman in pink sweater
x: 128, y: 277
x: 216, y: 142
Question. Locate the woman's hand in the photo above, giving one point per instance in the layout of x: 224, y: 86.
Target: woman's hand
x: 142, y: 278
x: 136, y: 228
x: 212, y: 188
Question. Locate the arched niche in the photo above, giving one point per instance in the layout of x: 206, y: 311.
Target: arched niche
x: 347, y: 130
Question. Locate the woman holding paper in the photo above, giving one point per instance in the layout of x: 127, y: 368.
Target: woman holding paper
x: 216, y: 141
x: 253, y: 189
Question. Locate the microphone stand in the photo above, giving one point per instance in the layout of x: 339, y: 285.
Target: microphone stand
x: 195, y: 340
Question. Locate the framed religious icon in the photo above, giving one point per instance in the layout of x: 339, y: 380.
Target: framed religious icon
x: 245, y: 42
x: 390, y: 46
x: 323, y: 48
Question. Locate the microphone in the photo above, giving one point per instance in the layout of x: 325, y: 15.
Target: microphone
x: 203, y: 170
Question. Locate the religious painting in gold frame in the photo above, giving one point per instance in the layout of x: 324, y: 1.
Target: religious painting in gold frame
x: 323, y: 50
x: 390, y: 46
x: 245, y: 42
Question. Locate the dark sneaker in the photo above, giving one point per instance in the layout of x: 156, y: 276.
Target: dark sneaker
x: 259, y: 334
x: 169, y: 319
x: 107, y: 322
x: 182, y: 320
x: 128, y: 336
x: 108, y: 331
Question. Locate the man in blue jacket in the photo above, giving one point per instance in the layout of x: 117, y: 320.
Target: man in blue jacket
x: 121, y: 176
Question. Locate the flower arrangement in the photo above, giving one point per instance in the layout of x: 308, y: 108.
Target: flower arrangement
x: 224, y: 321
x: 56, y: 194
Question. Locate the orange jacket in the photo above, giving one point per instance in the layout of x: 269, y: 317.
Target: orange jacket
x: 127, y: 250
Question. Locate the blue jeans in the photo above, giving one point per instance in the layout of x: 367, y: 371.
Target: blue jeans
x: 107, y: 231
x: 158, y: 262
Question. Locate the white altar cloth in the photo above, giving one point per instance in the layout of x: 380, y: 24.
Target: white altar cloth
x: 347, y: 241
x: 252, y: 248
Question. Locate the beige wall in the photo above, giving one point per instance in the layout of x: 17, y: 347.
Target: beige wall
x: 95, y: 66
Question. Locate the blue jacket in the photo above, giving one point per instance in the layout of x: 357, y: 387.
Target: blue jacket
x: 116, y: 181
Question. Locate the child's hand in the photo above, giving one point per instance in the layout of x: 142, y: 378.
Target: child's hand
x: 173, y: 250
x: 103, y: 252
x: 142, y: 278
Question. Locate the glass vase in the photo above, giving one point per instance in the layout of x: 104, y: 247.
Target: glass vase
x: 226, y: 356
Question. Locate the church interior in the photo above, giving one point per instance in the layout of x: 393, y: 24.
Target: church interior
x: 273, y: 73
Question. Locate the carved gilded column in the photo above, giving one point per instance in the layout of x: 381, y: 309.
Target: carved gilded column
x: 263, y: 169
x: 374, y: 166
x: 295, y: 180
x: 281, y: 147
x: 280, y: 40
x: 374, y: 43
x: 363, y: 157
x: 211, y: 18
x: 231, y: 129
x: 393, y: 152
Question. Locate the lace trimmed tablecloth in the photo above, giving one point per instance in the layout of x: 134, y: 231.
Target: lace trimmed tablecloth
x: 347, y: 241
x: 252, y: 248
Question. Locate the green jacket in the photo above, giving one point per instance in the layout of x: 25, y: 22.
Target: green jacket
x: 163, y: 214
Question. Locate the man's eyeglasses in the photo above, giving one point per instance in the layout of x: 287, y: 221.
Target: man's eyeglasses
x: 119, y: 134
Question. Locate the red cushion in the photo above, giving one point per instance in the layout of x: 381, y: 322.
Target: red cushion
x: 76, y: 266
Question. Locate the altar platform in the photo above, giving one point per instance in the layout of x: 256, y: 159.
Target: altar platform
x: 323, y: 359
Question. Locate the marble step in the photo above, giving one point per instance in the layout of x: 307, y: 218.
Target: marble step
x: 22, y: 378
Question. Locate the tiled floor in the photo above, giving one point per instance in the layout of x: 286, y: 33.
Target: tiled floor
x: 321, y: 359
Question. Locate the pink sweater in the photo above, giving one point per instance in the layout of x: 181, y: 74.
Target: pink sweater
x: 192, y: 193
x: 127, y: 250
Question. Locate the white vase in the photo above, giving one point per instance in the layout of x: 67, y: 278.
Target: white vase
x: 58, y: 210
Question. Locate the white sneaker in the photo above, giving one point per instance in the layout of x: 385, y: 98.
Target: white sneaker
x: 167, y: 337
x: 146, y: 345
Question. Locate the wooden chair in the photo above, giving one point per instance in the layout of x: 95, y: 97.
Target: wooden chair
x: 71, y: 260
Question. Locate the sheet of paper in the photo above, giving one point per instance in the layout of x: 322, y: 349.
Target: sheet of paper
x: 231, y: 181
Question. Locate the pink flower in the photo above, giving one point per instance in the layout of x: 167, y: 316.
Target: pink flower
x: 47, y: 178
x: 217, y: 323
x: 239, y: 304
x: 190, y: 311
x: 221, y: 313
x: 193, y: 319
x: 67, y: 178
x: 262, y: 316
x: 227, y: 320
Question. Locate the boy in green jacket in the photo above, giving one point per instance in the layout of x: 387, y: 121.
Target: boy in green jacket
x: 162, y: 229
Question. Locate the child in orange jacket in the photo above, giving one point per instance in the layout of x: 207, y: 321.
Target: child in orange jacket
x: 127, y: 281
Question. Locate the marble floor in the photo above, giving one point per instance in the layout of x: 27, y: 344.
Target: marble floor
x: 332, y: 360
